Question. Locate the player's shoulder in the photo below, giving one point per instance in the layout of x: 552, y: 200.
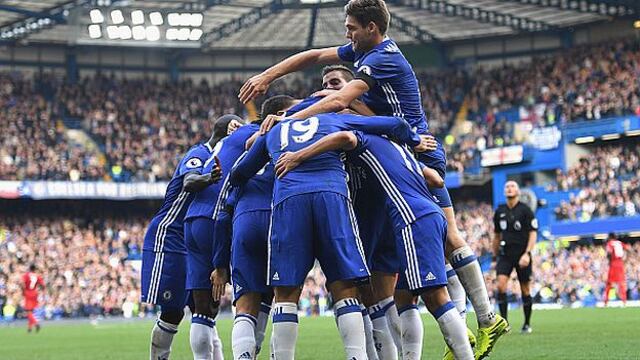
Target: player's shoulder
x: 501, y: 208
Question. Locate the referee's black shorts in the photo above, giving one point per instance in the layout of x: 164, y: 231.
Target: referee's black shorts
x: 505, y: 266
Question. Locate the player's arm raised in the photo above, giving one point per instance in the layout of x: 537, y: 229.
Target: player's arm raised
x: 341, y: 140
x: 336, y: 101
x: 259, y: 84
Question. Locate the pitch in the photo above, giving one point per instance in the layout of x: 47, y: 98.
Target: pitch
x: 558, y: 334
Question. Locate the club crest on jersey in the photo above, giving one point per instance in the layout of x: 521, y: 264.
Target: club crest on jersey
x: 365, y: 69
x: 194, y: 163
x: 503, y: 224
x: 517, y: 225
x: 167, y: 295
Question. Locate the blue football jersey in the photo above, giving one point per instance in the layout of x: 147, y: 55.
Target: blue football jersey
x: 398, y: 174
x: 213, y: 198
x: 305, y: 103
x: 323, y: 173
x: 393, y: 86
x: 256, y: 194
x: 165, y: 232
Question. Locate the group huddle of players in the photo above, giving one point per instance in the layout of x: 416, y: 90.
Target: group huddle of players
x: 348, y: 177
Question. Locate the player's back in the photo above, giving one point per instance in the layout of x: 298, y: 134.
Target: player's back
x: 393, y: 86
x: 166, y: 225
x: 228, y: 150
x: 31, y: 281
x: 257, y: 193
x: 399, y: 175
x: 324, y: 172
x: 616, y: 248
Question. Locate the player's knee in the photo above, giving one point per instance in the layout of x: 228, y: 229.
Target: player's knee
x: 172, y: 315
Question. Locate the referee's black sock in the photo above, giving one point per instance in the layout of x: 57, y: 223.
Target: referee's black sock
x: 526, y: 306
x: 503, y: 304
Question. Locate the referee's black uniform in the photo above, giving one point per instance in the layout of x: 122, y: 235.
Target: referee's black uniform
x: 514, y: 226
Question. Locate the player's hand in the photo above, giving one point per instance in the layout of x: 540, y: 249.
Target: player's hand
x: 524, y: 261
x: 323, y: 92
x: 219, y: 278
x: 286, y: 162
x: 233, y: 126
x: 427, y: 143
x: 257, y: 85
x: 269, y: 122
x: 216, y: 171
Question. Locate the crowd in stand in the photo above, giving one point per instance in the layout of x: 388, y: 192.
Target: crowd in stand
x: 81, y: 261
x: 33, y: 144
x: 608, y: 180
x: 587, y: 82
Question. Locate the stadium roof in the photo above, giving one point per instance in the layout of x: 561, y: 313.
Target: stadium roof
x: 295, y: 24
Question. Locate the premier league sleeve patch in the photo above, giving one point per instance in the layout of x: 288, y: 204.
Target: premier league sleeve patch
x: 193, y: 163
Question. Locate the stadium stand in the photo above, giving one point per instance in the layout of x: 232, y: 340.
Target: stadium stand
x: 608, y: 184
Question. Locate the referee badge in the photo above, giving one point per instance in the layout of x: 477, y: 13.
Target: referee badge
x: 503, y: 225
x: 517, y: 225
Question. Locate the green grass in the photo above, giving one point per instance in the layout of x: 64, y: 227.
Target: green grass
x: 558, y: 334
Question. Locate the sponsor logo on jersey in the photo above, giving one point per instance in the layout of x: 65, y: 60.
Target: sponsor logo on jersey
x: 276, y: 276
x: 238, y: 288
x: 517, y: 225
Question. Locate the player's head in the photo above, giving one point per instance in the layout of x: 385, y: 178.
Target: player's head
x: 276, y: 105
x: 511, y: 189
x: 335, y: 77
x: 612, y: 236
x: 220, y: 126
x: 32, y: 267
x: 366, y: 22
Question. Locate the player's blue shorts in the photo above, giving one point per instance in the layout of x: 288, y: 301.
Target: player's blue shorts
x: 378, y: 239
x: 163, y: 279
x: 421, y: 252
x: 311, y: 226
x: 198, y: 238
x: 249, y: 253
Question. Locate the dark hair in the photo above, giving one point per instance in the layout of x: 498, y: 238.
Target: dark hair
x: 348, y: 74
x: 366, y: 11
x: 32, y: 267
x: 221, y: 124
x: 274, y: 104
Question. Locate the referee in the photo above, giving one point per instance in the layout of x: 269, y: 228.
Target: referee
x: 515, y: 236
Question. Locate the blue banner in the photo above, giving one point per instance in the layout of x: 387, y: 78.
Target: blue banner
x: 39, y: 190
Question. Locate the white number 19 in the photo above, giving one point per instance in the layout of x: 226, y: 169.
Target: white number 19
x: 307, y: 128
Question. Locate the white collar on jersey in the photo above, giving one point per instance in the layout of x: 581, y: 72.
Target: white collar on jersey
x: 208, y: 146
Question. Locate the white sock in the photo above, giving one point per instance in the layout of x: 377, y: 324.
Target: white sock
x: 285, y: 330
x: 384, y: 341
x: 243, y: 338
x: 351, y: 328
x: 454, y: 331
x: 368, y: 333
x: 466, y: 265
x: 412, y: 332
x: 261, y: 325
x: 201, y: 337
x: 456, y: 291
x: 393, y: 321
x: 218, y: 353
x: 161, y: 339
